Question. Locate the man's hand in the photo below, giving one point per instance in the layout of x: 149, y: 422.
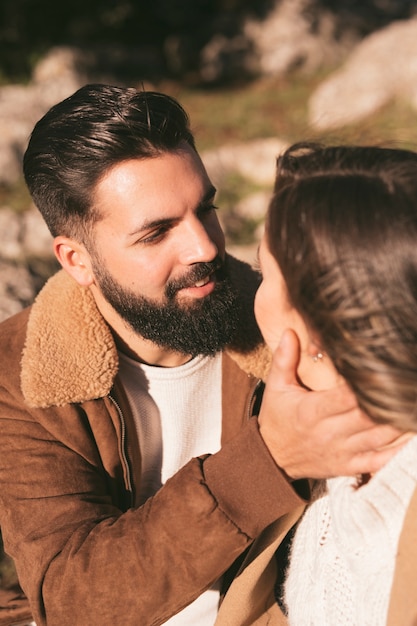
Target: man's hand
x: 319, y: 434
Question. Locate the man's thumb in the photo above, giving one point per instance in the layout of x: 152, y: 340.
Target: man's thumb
x: 285, y: 360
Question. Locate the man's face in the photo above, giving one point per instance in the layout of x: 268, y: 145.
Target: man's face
x: 158, y: 252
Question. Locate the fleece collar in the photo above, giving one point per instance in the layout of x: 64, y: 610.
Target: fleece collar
x: 70, y: 355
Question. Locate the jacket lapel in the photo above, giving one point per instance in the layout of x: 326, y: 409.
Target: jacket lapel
x: 237, y: 391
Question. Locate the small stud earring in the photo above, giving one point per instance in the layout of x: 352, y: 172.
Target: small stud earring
x: 317, y: 357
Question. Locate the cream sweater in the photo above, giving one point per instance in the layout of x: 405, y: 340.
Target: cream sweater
x: 343, y: 554
x: 176, y: 422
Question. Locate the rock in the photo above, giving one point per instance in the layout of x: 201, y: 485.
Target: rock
x: 60, y: 69
x: 23, y: 235
x: 294, y: 35
x: 26, y: 258
x: 16, y: 289
x: 10, y: 232
x: 254, y: 206
x: 21, y: 106
x: 382, y: 67
x: 36, y: 238
x: 254, y: 160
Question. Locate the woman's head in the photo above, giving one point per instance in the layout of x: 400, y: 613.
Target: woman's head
x: 342, y: 228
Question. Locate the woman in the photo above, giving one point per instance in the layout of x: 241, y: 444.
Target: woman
x: 339, y: 265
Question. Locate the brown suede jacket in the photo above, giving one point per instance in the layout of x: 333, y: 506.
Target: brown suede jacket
x: 70, y: 466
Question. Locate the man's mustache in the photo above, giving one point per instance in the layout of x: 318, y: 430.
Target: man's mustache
x: 196, y: 273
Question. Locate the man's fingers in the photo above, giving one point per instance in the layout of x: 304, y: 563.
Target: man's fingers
x: 398, y: 441
x: 373, y: 460
x: 367, y: 451
x: 376, y: 438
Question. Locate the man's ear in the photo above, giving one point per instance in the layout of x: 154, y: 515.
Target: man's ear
x: 75, y: 260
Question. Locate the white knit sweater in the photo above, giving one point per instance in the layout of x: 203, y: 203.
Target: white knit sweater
x: 343, y: 554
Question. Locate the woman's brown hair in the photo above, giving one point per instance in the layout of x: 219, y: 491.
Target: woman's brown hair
x: 342, y: 226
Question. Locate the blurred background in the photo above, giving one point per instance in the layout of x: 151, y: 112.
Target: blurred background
x: 254, y: 75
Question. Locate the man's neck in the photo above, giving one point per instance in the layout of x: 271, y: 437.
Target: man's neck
x: 145, y: 351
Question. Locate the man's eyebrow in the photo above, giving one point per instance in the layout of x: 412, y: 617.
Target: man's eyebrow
x: 150, y: 224
x: 166, y: 221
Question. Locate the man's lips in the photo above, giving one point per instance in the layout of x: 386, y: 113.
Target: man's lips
x: 200, y: 282
x: 200, y: 288
x: 204, y: 281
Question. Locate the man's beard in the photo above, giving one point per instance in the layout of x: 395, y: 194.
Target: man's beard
x: 202, y: 326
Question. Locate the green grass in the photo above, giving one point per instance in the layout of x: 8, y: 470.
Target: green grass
x: 15, y: 196
x: 262, y: 109
x: 278, y: 108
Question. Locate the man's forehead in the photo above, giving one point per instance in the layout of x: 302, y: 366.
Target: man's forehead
x: 163, y: 168
x: 139, y: 193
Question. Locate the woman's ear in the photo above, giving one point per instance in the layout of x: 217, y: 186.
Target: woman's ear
x: 75, y: 260
x: 318, y: 371
x: 314, y: 350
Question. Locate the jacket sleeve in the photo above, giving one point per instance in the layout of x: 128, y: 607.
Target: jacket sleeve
x: 83, y: 560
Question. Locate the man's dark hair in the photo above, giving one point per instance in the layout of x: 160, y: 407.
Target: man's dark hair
x: 74, y: 145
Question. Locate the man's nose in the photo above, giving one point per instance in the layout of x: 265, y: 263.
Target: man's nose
x: 199, y: 245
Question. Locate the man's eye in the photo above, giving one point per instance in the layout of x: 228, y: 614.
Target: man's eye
x: 154, y: 236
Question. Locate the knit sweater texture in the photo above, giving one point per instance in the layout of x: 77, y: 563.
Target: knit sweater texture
x: 343, y: 554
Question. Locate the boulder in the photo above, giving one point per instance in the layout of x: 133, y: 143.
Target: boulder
x: 382, y: 67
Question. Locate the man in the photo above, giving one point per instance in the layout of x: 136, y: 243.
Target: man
x: 134, y: 476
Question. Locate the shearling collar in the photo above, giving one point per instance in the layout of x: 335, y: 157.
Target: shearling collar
x: 70, y: 355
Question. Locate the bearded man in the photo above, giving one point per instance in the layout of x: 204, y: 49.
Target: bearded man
x: 134, y: 477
